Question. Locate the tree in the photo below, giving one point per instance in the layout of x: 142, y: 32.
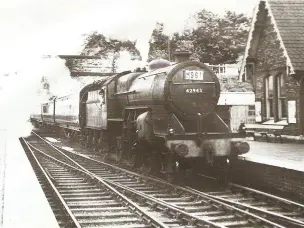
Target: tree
x: 215, y: 39
x: 219, y: 40
x: 97, y: 44
x: 233, y: 84
x: 161, y: 44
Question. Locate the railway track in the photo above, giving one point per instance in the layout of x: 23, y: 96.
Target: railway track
x: 258, y: 202
x: 81, y: 200
x: 266, y: 205
x: 194, y: 208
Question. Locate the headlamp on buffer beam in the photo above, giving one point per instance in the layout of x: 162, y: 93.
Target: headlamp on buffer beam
x: 240, y: 147
x: 171, y: 131
x: 181, y: 149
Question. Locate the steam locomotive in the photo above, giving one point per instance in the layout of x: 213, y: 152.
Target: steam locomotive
x: 165, y: 118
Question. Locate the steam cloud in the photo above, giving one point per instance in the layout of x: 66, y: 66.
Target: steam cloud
x: 21, y: 91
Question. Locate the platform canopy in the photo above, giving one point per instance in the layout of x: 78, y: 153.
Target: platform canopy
x: 236, y: 98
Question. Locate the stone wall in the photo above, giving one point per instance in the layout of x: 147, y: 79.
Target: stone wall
x: 277, y: 180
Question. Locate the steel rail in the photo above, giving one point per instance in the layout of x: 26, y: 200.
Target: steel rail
x: 92, y: 176
x: 286, y: 202
x: 190, y: 218
x: 54, y: 189
x: 205, y: 196
x: 256, y: 209
x: 290, y: 202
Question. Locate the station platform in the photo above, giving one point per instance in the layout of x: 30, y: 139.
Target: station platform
x: 273, y: 167
x: 22, y: 201
x: 284, y: 155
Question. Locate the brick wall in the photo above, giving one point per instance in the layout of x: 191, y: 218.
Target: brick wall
x: 269, y: 59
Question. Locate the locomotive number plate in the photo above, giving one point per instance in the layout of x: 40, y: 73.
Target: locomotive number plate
x: 192, y: 90
x: 194, y: 75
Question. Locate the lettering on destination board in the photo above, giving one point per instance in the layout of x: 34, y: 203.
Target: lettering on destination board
x: 192, y: 90
x: 194, y: 75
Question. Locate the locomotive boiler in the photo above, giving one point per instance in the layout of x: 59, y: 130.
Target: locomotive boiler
x: 165, y: 118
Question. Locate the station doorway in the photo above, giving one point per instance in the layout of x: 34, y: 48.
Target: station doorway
x: 302, y: 106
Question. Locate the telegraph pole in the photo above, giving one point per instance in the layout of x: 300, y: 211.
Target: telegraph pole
x: 169, y: 52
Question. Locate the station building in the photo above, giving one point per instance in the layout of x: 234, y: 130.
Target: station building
x: 274, y: 64
x: 237, y: 100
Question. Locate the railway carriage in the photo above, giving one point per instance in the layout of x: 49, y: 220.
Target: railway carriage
x: 47, y: 112
x: 66, y: 111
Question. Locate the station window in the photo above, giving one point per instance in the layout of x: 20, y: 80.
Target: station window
x: 222, y: 70
x: 275, y: 97
x: 280, y: 84
x: 269, y: 96
x: 251, y: 110
x: 283, y: 108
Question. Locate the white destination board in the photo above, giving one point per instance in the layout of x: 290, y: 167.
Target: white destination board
x: 194, y: 74
x: 292, y: 112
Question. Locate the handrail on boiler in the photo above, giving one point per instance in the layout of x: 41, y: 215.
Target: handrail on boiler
x: 199, y: 123
x: 127, y: 92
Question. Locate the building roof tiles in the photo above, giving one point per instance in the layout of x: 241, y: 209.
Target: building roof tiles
x: 289, y: 18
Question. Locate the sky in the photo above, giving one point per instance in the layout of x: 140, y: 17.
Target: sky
x: 33, y: 28
x: 37, y: 27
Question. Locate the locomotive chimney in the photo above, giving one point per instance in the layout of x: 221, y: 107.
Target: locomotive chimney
x: 182, y: 55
